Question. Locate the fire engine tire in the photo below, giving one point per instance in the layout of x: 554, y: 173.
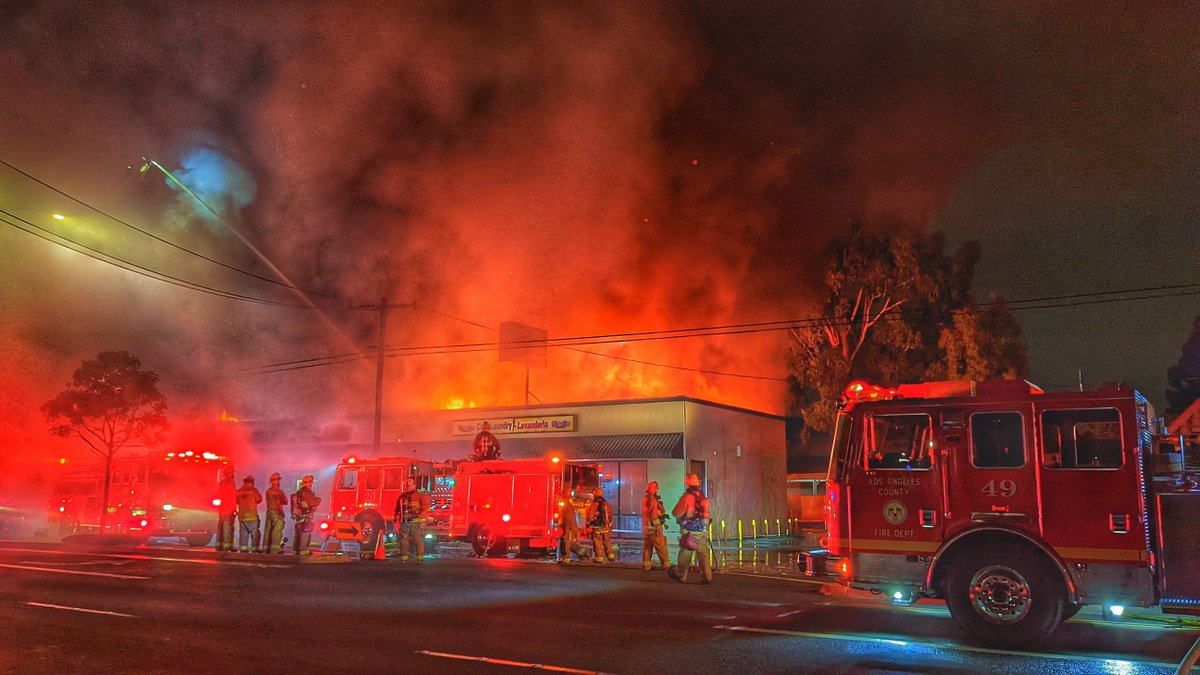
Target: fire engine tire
x: 486, y: 543
x: 373, y: 527
x: 1070, y: 610
x: 1005, y: 596
x: 199, y: 539
x: 499, y: 549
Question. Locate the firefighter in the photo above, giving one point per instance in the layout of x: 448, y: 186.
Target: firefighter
x: 692, y: 512
x: 304, y: 505
x: 654, y: 521
x: 248, y: 499
x: 485, y: 446
x: 599, y: 519
x: 226, y: 509
x: 273, y: 528
x: 412, y: 508
x: 568, y: 517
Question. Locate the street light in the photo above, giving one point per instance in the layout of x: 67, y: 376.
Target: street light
x: 147, y: 163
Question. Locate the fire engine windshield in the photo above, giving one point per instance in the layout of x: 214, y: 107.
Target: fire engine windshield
x: 582, y: 478
x: 899, y: 442
x: 347, y: 478
x: 841, y: 448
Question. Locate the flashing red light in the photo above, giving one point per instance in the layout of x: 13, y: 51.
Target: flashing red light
x: 62, y: 509
x: 351, y: 460
x: 216, y: 502
x: 506, y: 517
x: 324, y: 524
x: 556, y: 459
x: 145, y: 522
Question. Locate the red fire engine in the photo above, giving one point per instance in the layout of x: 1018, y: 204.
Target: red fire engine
x: 499, y: 502
x: 365, y: 491
x: 155, y: 494
x: 1015, y: 506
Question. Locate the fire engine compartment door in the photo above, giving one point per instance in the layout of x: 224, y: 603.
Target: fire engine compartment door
x: 991, y: 477
x: 524, y: 498
x: 1091, y: 496
x: 894, y: 494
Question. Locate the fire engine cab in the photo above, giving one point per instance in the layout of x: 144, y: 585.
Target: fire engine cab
x: 365, y: 491
x: 1016, y: 506
x: 499, y: 502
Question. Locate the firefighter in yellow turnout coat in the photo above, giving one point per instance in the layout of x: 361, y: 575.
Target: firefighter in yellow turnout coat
x: 654, y: 519
x: 693, y: 514
x: 277, y: 499
x: 599, y: 519
x: 412, y: 509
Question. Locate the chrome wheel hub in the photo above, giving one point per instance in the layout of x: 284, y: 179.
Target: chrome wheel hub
x: 1000, y: 594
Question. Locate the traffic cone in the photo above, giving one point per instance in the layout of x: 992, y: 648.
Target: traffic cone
x: 380, y: 549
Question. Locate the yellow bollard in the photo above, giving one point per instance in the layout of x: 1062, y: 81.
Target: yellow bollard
x: 712, y: 550
x: 778, y: 532
x: 754, y: 527
x: 766, y: 528
x: 723, y: 537
x: 739, y: 533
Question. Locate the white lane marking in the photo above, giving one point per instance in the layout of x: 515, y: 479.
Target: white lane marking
x: 110, y: 563
x: 942, y: 645
x: 506, y: 662
x: 80, y: 572
x: 80, y: 609
x: 1128, y: 622
x: 791, y: 613
x: 144, y: 556
x: 776, y: 578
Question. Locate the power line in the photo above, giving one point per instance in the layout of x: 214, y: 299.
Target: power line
x: 153, y: 236
x: 128, y: 266
x: 1029, y: 304
x: 621, y: 358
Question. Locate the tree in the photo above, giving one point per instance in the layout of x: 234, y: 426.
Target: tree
x: 897, y: 309
x: 1183, y: 378
x: 109, y: 404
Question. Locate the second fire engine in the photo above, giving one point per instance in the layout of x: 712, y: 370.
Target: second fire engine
x: 1015, y: 506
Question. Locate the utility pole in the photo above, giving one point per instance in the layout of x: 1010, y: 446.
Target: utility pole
x: 382, y: 308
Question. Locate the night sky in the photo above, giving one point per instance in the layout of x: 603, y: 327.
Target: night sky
x: 587, y: 168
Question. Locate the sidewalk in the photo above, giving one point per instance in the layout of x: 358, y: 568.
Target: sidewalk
x: 767, y: 556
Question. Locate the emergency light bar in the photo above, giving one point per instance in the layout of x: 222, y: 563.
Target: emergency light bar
x: 859, y: 391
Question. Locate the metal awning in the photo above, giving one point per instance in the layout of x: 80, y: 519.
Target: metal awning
x: 625, y: 446
x: 609, y: 447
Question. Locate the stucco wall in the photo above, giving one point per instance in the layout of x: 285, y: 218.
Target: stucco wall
x: 747, y: 483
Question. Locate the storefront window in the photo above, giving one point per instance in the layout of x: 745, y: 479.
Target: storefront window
x: 624, y: 484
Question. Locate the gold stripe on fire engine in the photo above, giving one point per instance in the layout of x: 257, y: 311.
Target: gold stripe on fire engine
x: 894, y: 545
x: 1121, y: 554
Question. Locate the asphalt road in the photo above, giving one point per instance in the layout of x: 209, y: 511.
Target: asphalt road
x: 173, y: 611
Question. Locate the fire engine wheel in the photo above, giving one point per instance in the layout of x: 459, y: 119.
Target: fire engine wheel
x: 372, y: 528
x: 1070, y: 610
x: 1005, y: 596
x: 196, y: 540
x: 486, y: 543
